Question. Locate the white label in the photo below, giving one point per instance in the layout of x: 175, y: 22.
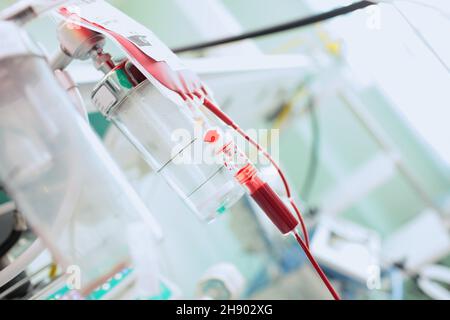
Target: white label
x: 107, y: 16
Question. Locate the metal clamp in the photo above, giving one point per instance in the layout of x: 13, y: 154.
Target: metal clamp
x: 115, y: 87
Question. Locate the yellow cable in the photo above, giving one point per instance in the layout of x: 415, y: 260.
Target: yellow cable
x: 333, y: 47
x: 288, y: 46
x: 288, y: 107
x: 53, y: 271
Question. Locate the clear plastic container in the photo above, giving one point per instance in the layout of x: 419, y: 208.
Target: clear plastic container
x: 171, y: 140
x: 60, y: 175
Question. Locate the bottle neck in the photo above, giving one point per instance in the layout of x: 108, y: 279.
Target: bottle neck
x: 248, y: 177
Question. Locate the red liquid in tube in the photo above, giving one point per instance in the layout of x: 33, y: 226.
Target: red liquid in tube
x: 267, y: 199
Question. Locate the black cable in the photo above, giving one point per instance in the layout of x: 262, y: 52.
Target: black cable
x: 313, y: 164
x: 302, y: 22
x: 9, y: 242
x: 17, y: 288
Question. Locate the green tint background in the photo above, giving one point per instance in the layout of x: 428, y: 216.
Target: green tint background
x: 385, y: 209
